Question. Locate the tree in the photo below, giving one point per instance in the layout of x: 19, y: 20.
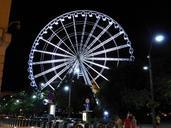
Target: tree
x: 163, y: 92
x: 135, y: 99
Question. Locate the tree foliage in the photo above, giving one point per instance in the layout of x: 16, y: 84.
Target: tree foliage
x: 135, y: 99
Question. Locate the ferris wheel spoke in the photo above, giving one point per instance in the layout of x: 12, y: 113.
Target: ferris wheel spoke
x: 52, y: 69
x: 72, y: 67
x: 68, y: 37
x: 51, y: 87
x: 105, y: 42
x: 56, y: 46
x: 108, y: 59
x: 83, y: 31
x: 91, y: 33
x: 62, y: 80
x: 93, y: 80
x: 85, y: 75
x: 109, y: 50
x: 62, y: 41
x: 98, y: 37
x: 96, y: 71
x: 50, y: 61
x: 56, y: 76
x: 51, y: 53
x: 96, y: 64
x: 75, y: 32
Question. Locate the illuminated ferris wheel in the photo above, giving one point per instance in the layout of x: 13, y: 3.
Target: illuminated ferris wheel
x: 83, y: 43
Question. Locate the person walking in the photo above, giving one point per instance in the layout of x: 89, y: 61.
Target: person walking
x: 134, y: 122
x: 128, y: 121
x: 118, y: 122
x: 157, y: 121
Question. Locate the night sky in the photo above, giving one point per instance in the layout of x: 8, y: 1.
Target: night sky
x: 140, y: 21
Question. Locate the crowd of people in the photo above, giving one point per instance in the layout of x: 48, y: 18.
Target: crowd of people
x: 129, y: 122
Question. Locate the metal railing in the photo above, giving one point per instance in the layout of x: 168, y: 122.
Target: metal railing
x: 39, y: 123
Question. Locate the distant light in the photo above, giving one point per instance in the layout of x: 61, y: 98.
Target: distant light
x: 159, y: 38
x: 97, y: 102
x: 41, y: 95
x: 34, y: 96
x: 106, y: 113
x: 165, y: 115
x: 45, y: 101
x: 42, y: 84
x: 84, y: 116
x: 145, y: 68
x: 52, y: 109
x: 17, y: 101
x: 66, y: 88
x: 7, y: 117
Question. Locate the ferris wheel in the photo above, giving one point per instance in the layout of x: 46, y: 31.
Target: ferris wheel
x: 83, y: 43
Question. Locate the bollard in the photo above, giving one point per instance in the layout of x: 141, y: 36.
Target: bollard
x: 42, y: 124
x: 29, y: 122
x: 100, y: 125
x: 46, y: 124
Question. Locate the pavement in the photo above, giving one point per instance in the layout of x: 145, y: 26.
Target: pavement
x: 6, y: 126
x: 162, y: 125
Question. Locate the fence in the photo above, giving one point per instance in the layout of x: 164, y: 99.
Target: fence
x: 39, y: 123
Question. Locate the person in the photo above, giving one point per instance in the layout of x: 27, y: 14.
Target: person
x: 128, y: 121
x: 157, y: 121
x: 87, y: 104
x: 118, y: 122
x: 134, y: 122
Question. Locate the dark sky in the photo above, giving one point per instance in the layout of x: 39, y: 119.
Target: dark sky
x: 140, y: 21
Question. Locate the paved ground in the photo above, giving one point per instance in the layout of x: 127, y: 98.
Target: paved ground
x: 16, y: 127
x: 163, y: 125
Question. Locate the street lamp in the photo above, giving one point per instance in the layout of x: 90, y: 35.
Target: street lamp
x: 145, y: 68
x: 106, y: 113
x: 157, y: 39
x: 34, y: 96
x: 68, y: 89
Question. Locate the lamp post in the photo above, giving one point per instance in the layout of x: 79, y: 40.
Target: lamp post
x: 151, y: 91
x: 157, y: 39
x: 68, y: 89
